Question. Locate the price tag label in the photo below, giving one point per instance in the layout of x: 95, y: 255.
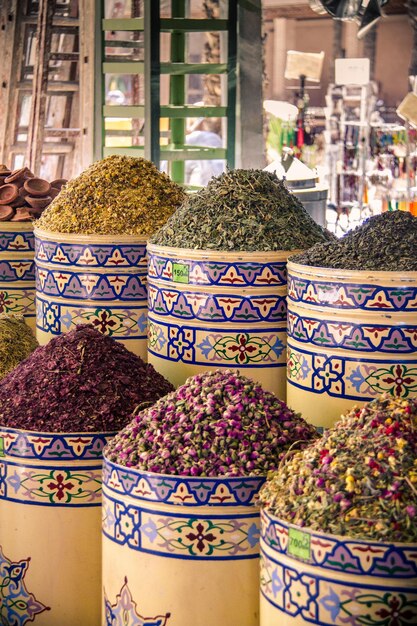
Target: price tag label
x: 299, y: 544
x: 180, y: 273
x: 2, y: 453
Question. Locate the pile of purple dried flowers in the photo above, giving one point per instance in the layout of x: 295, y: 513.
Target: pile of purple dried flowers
x: 216, y: 424
x: 82, y: 381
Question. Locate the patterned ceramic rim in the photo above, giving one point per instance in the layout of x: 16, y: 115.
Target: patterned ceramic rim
x: 217, y: 307
x: 90, y: 285
x: 220, y: 255
x: 296, y: 269
x: 86, y: 239
x: 378, y: 337
x: 17, y: 227
x: 333, y: 552
x: 350, y: 377
x: 16, y: 242
x: 28, y: 444
x: 181, y: 490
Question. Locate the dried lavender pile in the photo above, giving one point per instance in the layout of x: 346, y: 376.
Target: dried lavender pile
x: 17, y: 341
x: 386, y: 242
x: 217, y: 424
x: 245, y: 210
x: 118, y: 195
x: 359, y: 480
x: 82, y: 381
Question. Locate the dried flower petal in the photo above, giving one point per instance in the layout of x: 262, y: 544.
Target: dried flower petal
x: 217, y: 423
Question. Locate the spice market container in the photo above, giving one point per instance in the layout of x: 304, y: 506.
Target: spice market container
x: 309, y: 577
x: 218, y: 309
x: 351, y: 336
x: 182, y: 549
x: 95, y: 279
x: 50, y: 548
x: 17, y: 270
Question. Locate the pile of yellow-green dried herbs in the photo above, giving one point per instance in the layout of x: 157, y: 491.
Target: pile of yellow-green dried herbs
x: 358, y: 480
x: 118, y: 195
x: 17, y: 342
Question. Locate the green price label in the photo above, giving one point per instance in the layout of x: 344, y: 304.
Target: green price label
x: 2, y: 453
x: 180, y: 273
x: 299, y: 544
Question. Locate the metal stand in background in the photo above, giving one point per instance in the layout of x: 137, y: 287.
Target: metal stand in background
x: 151, y: 68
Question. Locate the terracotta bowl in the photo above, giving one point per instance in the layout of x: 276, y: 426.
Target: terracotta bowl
x: 6, y: 213
x: 8, y: 193
x: 17, y: 176
x: 22, y: 215
x: 37, y: 187
x: 59, y: 183
x: 38, y: 203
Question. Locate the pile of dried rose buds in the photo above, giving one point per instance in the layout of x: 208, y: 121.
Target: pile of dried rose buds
x: 216, y: 424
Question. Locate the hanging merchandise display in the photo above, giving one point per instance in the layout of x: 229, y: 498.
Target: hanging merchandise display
x: 217, y: 278
x: 303, y: 183
x: 365, y: 13
x: 352, y: 310
x: 180, y: 487
x: 91, y: 250
x: 58, y: 408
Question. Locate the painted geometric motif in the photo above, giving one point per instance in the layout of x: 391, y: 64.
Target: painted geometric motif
x: 205, y: 346
x: 118, y: 321
x: 186, y: 490
x: 216, y: 307
x: 56, y: 487
x: 346, y: 555
x: 357, y: 379
x: 341, y: 295
x: 180, y: 536
x: 91, y: 255
x: 124, y: 611
x: 356, y: 337
x: 237, y: 274
x: 16, y: 270
x: 318, y: 600
x: 76, y: 286
x: 30, y: 445
x: 16, y: 242
x: 18, y: 606
x: 21, y: 301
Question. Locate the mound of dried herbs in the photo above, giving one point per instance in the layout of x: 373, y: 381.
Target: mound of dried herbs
x: 118, y: 195
x: 17, y: 341
x: 82, y: 381
x: 216, y: 424
x: 245, y: 210
x: 386, y: 242
x: 358, y: 480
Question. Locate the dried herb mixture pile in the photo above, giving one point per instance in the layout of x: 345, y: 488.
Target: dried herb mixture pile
x: 216, y: 424
x: 17, y: 341
x: 118, y: 195
x: 358, y: 480
x: 82, y: 381
x: 245, y: 210
x: 386, y: 242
